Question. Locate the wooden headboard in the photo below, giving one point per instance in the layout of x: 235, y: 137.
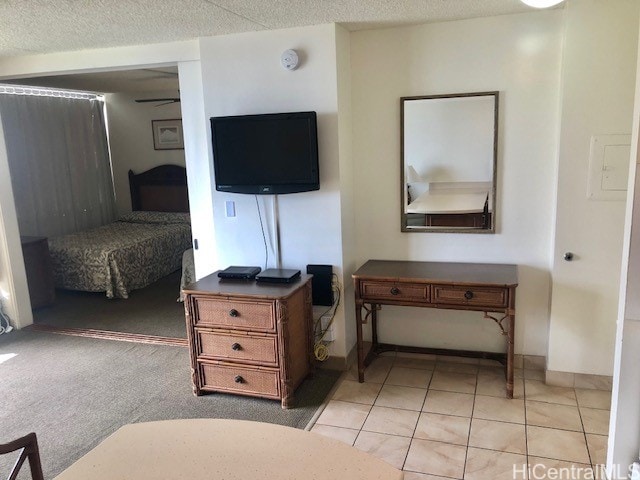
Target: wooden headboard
x: 161, y: 189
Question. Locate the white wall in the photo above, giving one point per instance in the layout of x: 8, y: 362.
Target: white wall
x: 599, y: 64
x: 99, y: 59
x: 347, y: 183
x: 131, y: 138
x: 450, y: 139
x: 197, y: 147
x: 241, y: 74
x: 519, y: 55
x: 14, y: 293
x: 624, y: 425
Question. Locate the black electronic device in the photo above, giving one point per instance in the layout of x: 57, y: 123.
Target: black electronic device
x: 239, y: 273
x: 278, y: 275
x: 270, y: 153
x: 321, y: 288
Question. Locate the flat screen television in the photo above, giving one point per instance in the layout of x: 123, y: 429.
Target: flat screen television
x: 266, y: 154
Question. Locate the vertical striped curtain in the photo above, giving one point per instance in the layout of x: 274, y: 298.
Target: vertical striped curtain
x: 59, y: 162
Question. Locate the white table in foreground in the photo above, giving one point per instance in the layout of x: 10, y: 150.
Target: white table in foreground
x: 209, y: 449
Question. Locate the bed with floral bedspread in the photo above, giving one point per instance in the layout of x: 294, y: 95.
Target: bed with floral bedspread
x: 138, y: 249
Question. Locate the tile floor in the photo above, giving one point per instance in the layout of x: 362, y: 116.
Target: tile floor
x: 448, y: 418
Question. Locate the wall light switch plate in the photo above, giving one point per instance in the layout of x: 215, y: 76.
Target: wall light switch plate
x: 230, y: 208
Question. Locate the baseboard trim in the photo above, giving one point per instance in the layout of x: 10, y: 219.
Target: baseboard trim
x: 578, y: 380
x: 334, y: 363
x: 340, y: 363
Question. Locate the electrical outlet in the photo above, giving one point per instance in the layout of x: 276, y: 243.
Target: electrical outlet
x: 330, y: 336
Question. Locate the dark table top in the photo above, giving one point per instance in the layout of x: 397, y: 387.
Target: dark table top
x: 444, y: 272
x: 230, y: 287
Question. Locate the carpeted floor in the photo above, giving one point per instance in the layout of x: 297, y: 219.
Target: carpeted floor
x: 74, y: 391
x: 151, y: 311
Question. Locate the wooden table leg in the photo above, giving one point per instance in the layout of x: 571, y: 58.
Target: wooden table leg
x: 510, y: 358
x: 510, y: 341
x: 374, y: 326
x: 360, y: 346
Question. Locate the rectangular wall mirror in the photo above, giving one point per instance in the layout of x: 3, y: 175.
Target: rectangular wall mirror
x: 448, y: 162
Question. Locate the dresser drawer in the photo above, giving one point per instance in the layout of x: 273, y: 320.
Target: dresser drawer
x: 262, y: 350
x: 477, y: 296
x: 242, y: 380
x: 234, y: 314
x: 400, y: 291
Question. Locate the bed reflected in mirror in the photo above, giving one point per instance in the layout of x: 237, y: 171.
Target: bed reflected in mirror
x: 448, y: 162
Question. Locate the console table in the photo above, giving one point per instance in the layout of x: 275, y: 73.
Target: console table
x: 488, y: 288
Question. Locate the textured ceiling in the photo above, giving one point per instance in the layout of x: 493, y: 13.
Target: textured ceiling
x: 30, y: 27
x: 40, y: 26
x: 121, y: 81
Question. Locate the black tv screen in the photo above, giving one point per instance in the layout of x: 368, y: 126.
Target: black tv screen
x: 266, y: 154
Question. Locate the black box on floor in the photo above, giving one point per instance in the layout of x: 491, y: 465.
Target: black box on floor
x: 321, y: 284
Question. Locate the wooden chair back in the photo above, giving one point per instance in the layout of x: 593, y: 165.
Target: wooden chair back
x: 28, y: 446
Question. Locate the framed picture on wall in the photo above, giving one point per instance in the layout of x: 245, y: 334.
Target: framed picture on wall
x: 167, y: 134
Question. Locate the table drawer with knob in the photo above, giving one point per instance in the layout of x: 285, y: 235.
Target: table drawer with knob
x: 258, y: 349
x: 242, y: 380
x: 476, y: 296
x: 234, y: 314
x: 400, y: 291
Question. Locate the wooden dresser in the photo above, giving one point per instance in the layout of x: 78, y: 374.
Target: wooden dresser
x: 249, y: 338
x: 37, y: 264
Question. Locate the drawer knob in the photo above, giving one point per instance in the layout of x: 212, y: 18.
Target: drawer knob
x: 239, y: 379
x: 468, y: 294
x: 236, y: 346
x: 395, y: 291
x: 234, y: 313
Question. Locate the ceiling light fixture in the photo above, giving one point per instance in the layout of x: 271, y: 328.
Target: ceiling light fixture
x: 541, y: 3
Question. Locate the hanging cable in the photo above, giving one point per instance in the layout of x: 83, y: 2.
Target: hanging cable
x: 320, y: 347
x: 264, y: 238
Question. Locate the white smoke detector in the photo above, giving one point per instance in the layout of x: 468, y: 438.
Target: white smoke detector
x: 289, y: 59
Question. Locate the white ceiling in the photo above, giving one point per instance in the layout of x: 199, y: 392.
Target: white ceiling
x: 35, y: 26
x: 121, y: 81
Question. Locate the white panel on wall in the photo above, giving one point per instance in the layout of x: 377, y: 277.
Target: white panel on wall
x: 609, y: 167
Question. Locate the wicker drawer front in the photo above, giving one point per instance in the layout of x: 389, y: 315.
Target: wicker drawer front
x: 243, y: 380
x: 400, y: 291
x: 246, y: 348
x: 234, y: 314
x: 480, y: 296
